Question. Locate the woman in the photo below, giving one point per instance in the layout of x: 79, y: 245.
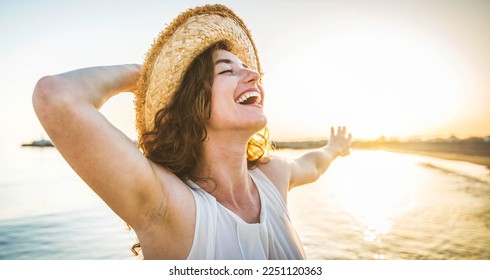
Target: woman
x: 204, y: 187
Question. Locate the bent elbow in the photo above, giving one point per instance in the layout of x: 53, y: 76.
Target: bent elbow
x: 45, y: 89
x: 47, y: 96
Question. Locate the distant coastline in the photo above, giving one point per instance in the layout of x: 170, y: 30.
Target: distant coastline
x: 473, y: 150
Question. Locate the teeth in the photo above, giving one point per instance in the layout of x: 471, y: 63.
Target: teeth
x: 247, y: 95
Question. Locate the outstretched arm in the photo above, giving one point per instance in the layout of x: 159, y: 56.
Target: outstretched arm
x: 312, y: 165
x: 109, y: 162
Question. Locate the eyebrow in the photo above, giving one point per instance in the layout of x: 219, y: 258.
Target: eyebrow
x: 228, y: 61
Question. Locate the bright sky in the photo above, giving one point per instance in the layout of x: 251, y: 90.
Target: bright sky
x: 393, y: 68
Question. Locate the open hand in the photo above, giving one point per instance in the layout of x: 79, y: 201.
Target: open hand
x: 340, y: 142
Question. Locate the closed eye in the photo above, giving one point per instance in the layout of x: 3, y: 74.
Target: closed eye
x: 226, y: 71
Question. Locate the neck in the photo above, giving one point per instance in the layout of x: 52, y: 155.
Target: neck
x: 224, y: 161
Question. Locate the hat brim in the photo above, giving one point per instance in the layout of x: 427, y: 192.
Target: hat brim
x: 191, y: 33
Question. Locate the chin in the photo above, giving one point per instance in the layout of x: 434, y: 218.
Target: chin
x: 260, y: 124
x: 261, y: 121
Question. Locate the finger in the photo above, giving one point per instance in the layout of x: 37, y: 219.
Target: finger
x: 341, y: 130
x: 332, y: 131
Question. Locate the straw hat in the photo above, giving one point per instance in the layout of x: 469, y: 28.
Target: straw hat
x: 191, y: 33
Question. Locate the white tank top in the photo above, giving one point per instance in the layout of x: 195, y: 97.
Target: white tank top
x: 221, y: 234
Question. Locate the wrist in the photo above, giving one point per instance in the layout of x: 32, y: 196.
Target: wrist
x: 333, y: 151
x: 131, y: 77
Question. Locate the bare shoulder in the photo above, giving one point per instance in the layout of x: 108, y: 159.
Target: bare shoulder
x: 278, y: 170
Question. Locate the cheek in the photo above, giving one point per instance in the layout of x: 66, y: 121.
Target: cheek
x: 219, y: 107
x: 222, y: 95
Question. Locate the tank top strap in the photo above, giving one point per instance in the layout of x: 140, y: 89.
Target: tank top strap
x: 268, y: 188
x: 203, y: 245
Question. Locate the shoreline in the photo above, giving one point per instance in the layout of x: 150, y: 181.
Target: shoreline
x: 480, y: 160
x: 472, y: 150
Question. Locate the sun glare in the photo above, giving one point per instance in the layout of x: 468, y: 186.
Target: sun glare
x: 375, y: 77
x: 379, y: 192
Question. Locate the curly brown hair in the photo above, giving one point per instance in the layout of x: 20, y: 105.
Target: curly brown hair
x: 179, y: 127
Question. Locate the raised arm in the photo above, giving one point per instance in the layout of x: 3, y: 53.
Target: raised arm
x: 109, y: 162
x: 311, y: 166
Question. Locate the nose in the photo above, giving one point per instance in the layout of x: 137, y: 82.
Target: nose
x: 251, y: 76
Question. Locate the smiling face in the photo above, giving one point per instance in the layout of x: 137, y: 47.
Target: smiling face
x: 237, y: 96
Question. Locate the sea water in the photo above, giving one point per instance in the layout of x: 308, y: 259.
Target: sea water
x: 369, y: 205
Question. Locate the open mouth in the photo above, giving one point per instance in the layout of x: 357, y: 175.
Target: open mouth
x: 252, y: 97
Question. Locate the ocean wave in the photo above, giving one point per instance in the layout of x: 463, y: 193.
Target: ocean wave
x: 453, y: 171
